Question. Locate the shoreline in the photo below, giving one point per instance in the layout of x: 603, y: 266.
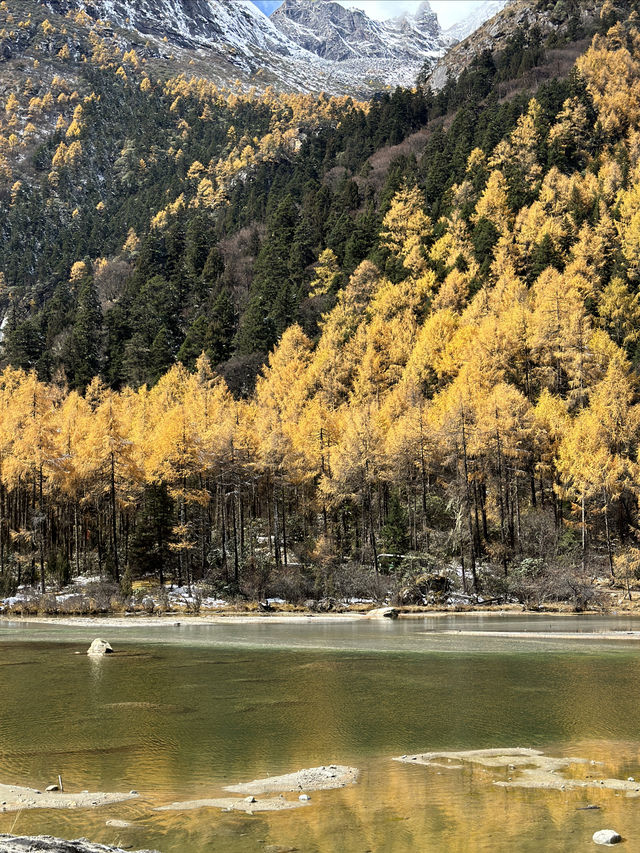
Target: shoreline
x: 283, y: 617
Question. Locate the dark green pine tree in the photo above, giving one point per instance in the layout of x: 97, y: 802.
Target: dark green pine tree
x: 395, y: 531
x: 302, y: 254
x: 213, y: 267
x: 362, y: 239
x: 160, y: 355
x: 194, y: 342
x: 197, y: 244
x: 24, y: 339
x: 83, y: 361
x: 269, y: 309
x: 218, y: 343
x: 150, y: 545
x: 543, y: 255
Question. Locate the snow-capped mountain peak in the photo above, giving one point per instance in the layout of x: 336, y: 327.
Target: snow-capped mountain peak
x: 348, y: 35
x: 475, y: 19
x: 306, y: 45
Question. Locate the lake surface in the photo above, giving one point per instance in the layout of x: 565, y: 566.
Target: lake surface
x: 186, y: 709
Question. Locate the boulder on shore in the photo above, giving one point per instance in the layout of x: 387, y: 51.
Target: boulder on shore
x: 47, y: 844
x: 383, y: 613
x: 606, y: 837
x: 99, y: 647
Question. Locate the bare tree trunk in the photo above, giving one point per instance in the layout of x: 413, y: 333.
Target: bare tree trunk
x: 372, y: 534
x: 284, y: 526
x: 472, y: 552
x: 76, y: 536
x: 584, y: 533
x: 276, y: 529
x: 606, y: 527
x: 114, y: 521
x: 236, y: 567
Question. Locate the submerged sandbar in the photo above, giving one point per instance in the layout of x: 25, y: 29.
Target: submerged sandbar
x: 16, y: 798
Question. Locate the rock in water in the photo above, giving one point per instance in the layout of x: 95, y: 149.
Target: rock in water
x: 606, y: 836
x: 383, y: 613
x: 99, y: 648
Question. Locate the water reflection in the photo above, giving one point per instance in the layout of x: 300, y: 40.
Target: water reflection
x: 210, y: 708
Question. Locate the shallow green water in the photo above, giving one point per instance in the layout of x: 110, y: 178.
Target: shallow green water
x: 187, y: 709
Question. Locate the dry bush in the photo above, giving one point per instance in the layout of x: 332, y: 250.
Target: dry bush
x: 291, y: 584
x: 534, y: 583
x: 111, y: 279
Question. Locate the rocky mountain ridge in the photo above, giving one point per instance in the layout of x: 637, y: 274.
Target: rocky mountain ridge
x: 475, y: 19
x: 492, y: 36
x: 304, y: 46
x: 337, y: 33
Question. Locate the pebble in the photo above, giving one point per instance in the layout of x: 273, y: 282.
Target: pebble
x: 250, y: 800
x: 607, y: 837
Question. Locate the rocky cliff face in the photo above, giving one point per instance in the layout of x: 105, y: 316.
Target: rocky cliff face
x: 215, y: 25
x: 306, y: 45
x: 331, y: 31
x: 233, y: 37
x: 475, y: 19
x: 494, y: 34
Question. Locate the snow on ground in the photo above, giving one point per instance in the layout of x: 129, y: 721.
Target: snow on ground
x: 78, y: 591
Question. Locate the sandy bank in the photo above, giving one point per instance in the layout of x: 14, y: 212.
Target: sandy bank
x: 310, y: 779
x: 529, y: 768
x: 15, y: 798
x: 278, y: 617
x: 233, y: 804
x: 177, y: 620
x: 547, y: 635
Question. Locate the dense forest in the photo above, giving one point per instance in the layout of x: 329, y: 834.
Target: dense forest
x: 444, y: 288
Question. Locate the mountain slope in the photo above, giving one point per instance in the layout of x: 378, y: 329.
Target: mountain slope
x: 306, y: 46
x: 189, y: 23
x: 450, y: 329
x: 331, y: 31
x: 201, y: 208
x: 544, y: 19
x: 392, y: 50
x: 475, y: 19
x: 228, y: 40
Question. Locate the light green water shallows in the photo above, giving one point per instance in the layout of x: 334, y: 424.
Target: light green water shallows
x: 187, y: 709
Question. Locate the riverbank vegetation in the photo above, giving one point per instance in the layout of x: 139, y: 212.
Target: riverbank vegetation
x: 455, y: 409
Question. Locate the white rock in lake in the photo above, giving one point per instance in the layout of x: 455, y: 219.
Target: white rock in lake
x: 99, y: 647
x: 606, y: 836
x: 383, y: 613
